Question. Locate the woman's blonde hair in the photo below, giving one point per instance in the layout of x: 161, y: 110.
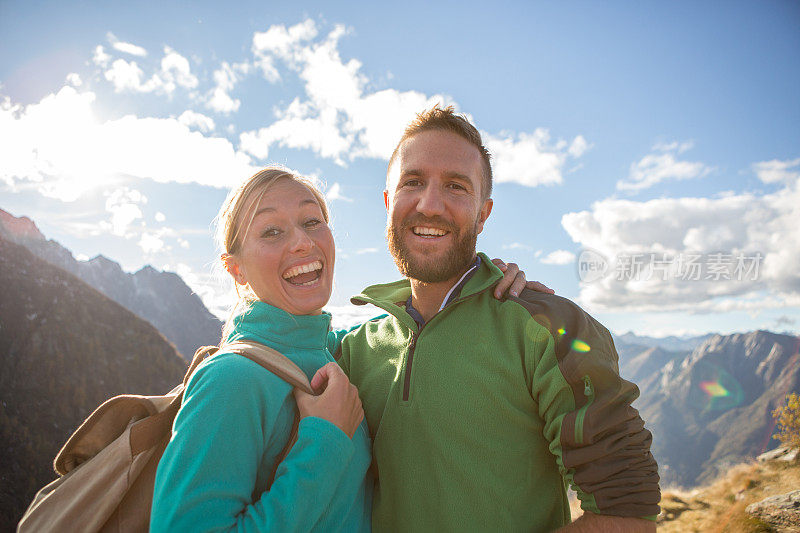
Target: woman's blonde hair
x: 231, y: 229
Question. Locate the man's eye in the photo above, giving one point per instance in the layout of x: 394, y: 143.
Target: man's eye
x: 457, y: 187
x: 412, y: 183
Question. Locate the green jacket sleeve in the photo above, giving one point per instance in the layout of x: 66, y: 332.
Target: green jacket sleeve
x: 234, y: 421
x: 598, y: 438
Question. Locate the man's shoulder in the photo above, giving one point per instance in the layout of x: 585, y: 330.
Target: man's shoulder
x: 556, y: 313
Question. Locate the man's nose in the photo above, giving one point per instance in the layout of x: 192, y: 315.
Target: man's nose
x: 431, y: 202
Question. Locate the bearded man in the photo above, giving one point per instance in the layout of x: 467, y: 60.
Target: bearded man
x: 482, y: 410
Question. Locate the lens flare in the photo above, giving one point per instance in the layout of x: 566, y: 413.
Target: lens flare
x: 714, y: 389
x: 561, y: 331
x: 580, y: 346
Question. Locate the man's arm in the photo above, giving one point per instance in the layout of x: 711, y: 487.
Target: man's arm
x: 597, y: 523
x: 598, y: 439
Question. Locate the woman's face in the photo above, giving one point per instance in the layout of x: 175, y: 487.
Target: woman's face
x: 287, y: 254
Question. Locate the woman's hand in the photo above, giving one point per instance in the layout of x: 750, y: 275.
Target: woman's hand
x: 514, y: 281
x: 337, y: 400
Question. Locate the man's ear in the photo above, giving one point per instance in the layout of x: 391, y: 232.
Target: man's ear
x: 234, y: 268
x: 486, y: 210
x: 386, y: 199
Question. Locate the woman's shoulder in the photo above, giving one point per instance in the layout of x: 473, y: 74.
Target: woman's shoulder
x: 229, y: 373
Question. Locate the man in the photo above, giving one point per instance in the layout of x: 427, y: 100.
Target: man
x: 481, y: 409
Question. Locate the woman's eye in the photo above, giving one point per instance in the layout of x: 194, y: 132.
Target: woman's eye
x: 312, y: 223
x: 271, y: 232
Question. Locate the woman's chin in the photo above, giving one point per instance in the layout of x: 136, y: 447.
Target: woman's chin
x: 307, y: 300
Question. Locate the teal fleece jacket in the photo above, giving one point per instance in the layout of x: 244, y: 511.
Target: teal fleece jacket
x: 482, y: 416
x: 234, y: 421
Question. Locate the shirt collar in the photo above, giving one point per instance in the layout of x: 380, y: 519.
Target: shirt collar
x: 451, y: 296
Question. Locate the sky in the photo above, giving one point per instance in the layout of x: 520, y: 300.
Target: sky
x: 646, y: 154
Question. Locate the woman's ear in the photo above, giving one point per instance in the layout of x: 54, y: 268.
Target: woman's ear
x: 234, y: 268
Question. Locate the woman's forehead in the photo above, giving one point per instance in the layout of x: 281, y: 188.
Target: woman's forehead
x: 285, y: 195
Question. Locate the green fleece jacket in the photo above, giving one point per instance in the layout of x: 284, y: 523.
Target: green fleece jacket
x: 480, y: 418
x: 236, y: 418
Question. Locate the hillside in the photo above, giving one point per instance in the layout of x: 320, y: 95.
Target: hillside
x: 64, y: 348
x: 711, y: 409
x: 161, y: 298
x: 721, y: 506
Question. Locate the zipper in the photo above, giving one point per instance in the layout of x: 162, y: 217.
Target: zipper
x: 413, y: 344
x: 588, y: 391
x: 409, y: 361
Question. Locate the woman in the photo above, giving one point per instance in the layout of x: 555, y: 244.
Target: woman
x: 236, y: 416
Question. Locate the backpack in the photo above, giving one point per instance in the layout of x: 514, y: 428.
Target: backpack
x: 107, y: 468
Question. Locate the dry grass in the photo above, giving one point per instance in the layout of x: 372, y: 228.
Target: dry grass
x: 720, y: 507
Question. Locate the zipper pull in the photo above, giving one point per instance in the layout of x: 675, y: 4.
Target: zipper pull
x: 587, y: 386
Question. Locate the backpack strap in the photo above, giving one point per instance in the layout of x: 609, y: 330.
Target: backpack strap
x: 284, y: 368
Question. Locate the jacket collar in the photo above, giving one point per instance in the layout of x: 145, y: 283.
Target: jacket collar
x: 274, y: 326
x: 392, y: 297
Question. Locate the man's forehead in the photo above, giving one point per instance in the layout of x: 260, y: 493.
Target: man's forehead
x: 438, y: 149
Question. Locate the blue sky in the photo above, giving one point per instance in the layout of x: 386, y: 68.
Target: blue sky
x: 629, y: 129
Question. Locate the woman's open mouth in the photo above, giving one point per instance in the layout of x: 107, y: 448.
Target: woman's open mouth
x: 304, y: 275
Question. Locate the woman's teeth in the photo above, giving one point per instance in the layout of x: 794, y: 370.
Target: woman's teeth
x: 303, y: 274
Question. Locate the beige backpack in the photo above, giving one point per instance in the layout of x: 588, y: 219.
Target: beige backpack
x: 107, y: 468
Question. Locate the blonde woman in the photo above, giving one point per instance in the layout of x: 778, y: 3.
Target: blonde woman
x: 237, y: 417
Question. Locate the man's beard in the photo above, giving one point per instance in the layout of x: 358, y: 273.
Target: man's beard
x: 456, y: 259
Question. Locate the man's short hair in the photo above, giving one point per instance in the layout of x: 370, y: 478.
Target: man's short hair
x: 445, y: 119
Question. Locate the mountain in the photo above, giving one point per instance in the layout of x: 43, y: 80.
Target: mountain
x: 161, y: 298
x: 671, y: 343
x: 64, y: 349
x: 712, y: 408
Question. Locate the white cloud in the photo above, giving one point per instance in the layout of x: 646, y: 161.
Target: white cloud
x: 334, y: 192
x: 362, y: 251
x: 74, y: 79
x: 100, y: 57
x: 776, y: 171
x: 740, y: 226
x: 559, y: 257
x: 347, y: 316
x: 578, y: 147
x: 516, y: 246
x: 60, y: 148
x: 531, y: 159
x: 125, y: 48
x: 225, y: 78
x: 159, y: 216
x: 656, y: 167
x: 151, y: 243
x: 339, y: 119
x: 123, y: 204
x: 175, y: 69
x: 192, y: 119
x: 126, y: 76
x: 129, y: 48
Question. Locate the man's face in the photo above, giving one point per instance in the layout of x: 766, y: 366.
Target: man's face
x: 434, y: 205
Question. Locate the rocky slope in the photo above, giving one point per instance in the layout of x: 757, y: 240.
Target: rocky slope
x: 64, y: 349
x: 711, y: 409
x: 161, y: 298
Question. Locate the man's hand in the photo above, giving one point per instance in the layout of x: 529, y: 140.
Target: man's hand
x: 596, y: 523
x: 514, y: 281
x: 338, y: 402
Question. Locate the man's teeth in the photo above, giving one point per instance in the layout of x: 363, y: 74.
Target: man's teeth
x: 419, y: 230
x: 302, y: 269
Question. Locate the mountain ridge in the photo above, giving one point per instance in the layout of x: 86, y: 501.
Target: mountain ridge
x: 161, y: 298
